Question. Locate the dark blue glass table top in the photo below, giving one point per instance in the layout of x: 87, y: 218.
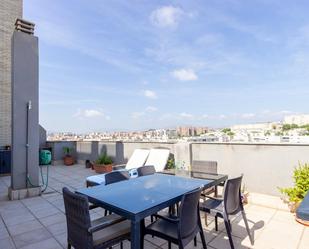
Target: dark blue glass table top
x: 139, y: 194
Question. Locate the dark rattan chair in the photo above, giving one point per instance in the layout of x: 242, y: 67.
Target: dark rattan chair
x: 86, y: 234
x: 146, y: 170
x: 116, y: 176
x: 231, y: 204
x: 182, y: 229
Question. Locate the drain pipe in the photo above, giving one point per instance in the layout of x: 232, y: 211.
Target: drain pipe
x: 29, y: 107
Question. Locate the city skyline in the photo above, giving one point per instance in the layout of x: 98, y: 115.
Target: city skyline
x: 121, y: 66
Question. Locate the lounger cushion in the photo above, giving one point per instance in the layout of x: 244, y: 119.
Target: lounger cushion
x: 303, y: 209
x: 158, y: 158
x: 137, y: 159
x: 100, y: 179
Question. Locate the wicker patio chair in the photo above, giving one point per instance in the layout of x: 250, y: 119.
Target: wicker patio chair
x: 86, y: 234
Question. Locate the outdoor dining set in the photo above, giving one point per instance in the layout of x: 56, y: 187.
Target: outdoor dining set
x: 173, y: 199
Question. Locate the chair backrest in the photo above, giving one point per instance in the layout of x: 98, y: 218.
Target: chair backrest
x: 205, y: 166
x: 146, y: 170
x: 137, y: 159
x: 232, y: 195
x: 78, y: 219
x: 116, y: 176
x: 158, y: 158
x: 189, y: 214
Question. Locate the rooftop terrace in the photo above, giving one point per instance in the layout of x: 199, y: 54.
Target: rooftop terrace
x: 39, y: 222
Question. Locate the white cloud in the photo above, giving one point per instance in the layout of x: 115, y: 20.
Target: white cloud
x: 186, y: 115
x: 136, y: 115
x: 150, y: 94
x: 184, y: 74
x: 148, y: 110
x: 90, y: 113
x: 166, y: 16
x: 248, y: 115
x: 151, y: 109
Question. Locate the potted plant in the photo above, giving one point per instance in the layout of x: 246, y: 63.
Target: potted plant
x: 103, y: 164
x: 301, y: 186
x: 68, y: 159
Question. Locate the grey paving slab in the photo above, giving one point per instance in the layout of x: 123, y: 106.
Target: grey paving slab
x: 7, y: 243
x: 53, y: 219
x: 18, y: 218
x: 45, y: 244
x: 31, y: 237
x: 4, y: 233
x: 57, y: 228
x: 24, y: 227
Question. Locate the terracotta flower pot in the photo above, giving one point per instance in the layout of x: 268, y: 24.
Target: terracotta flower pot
x: 102, y: 168
x: 68, y: 160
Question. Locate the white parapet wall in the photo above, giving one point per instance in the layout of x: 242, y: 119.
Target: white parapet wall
x: 265, y: 166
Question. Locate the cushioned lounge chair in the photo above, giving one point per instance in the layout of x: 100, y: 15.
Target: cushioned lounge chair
x: 137, y: 160
x: 158, y: 158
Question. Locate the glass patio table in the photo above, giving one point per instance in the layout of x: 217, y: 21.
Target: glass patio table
x: 218, y: 179
x: 141, y: 197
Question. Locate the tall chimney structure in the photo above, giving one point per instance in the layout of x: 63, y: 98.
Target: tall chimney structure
x: 25, y: 112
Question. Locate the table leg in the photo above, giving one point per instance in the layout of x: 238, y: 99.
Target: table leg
x: 135, y: 234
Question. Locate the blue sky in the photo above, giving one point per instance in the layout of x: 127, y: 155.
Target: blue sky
x: 131, y: 65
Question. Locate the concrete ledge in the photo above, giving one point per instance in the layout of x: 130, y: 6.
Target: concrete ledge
x: 269, y: 201
x: 23, y: 193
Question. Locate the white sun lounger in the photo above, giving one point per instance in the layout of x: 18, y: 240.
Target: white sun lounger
x: 137, y: 160
x: 158, y: 158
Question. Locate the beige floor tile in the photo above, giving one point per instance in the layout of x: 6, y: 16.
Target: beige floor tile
x: 279, y: 235
x: 222, y: 242
x: 304, y: 243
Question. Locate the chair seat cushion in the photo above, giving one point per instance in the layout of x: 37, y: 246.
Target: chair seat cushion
x: 212, y: 206
x: 112, y: 232
x: 111, y: 217
x: 96, y: 179
x: 163, y: 227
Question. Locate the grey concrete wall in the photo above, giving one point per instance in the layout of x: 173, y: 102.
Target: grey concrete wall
x: 119, y: 151
x: 87, y: 150
x: 265, y: 167
x: 9, y: 11
x: 57, y: 149
x: 25, y: 88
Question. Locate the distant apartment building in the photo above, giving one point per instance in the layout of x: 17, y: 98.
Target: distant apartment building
x: 10, y: 10
x: 190, y: 131
x: 297, y: 119
x: 255, y: 127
